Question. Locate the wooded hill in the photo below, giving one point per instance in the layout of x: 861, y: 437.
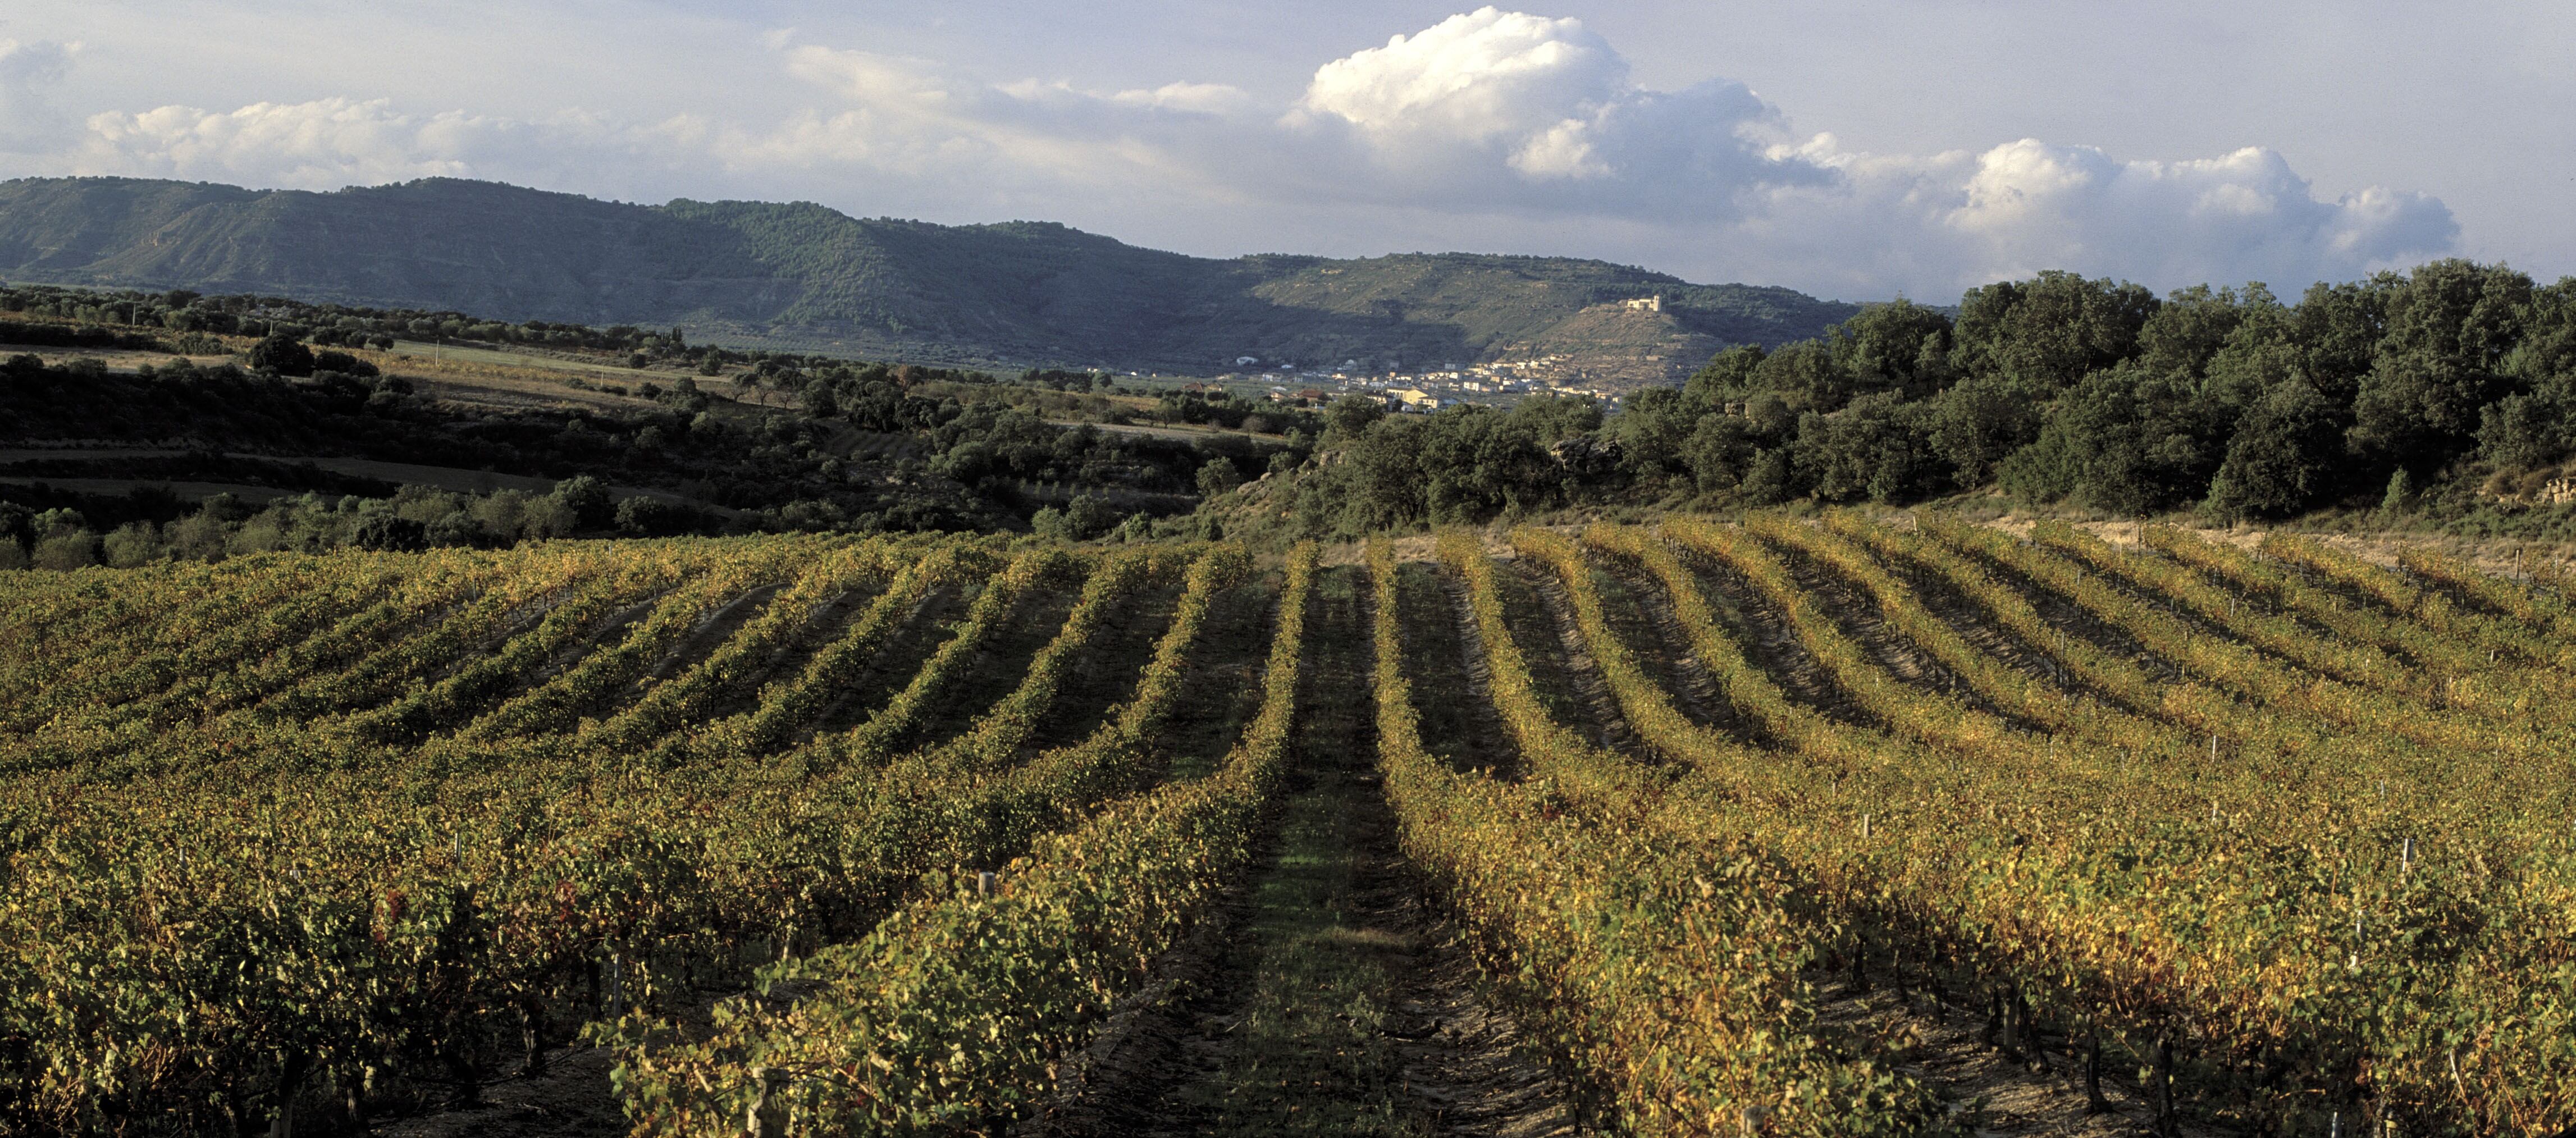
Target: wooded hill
x: 1010, y: 294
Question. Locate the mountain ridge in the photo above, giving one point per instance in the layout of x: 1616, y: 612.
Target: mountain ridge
x: 1015, y: 293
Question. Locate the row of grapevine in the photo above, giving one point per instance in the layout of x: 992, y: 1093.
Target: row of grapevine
x: 2256, y: 742
x: 522, y: 591
x: 2425, y: 605
x: 131, y: 739
x: 2542, y: 610
x: 2009, y: 690
x: 783, y: 709
x: 2471, y: 665
x: 2223, y: 901
x: 608, y: 674
x: 1661, y: 948
x: 870, y: 743
x: 2359, y: 716
x: 422, y: 930
x: 149, y: 693
x: 996, y: 737
x: 308, y: 838
x: 136, y: 631
x: 2448, y: 677
x: 2202, y: 709
x: 958, y: 1011
x: 667, y: 705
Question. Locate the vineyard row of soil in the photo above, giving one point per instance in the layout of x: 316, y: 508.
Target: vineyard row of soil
x: 1788, y: 826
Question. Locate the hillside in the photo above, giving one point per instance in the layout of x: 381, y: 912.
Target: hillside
x: 1009, y: 294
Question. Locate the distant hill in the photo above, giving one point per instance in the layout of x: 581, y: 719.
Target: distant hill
x: 1004, y: 295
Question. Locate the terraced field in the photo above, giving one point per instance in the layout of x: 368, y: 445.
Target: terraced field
x: 1770, y: 827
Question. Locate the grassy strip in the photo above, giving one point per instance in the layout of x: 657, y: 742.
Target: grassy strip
x: 1310, y: 1050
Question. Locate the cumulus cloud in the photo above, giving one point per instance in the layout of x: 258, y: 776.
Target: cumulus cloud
x: 1946, y: 221
x: 2034, y: 204
x: 1497, y: 129
x: 1495, y: 108
x: 1481, y: 78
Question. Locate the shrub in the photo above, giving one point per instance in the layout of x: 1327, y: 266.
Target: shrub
x: 134, y: 543
x: 283, y: 354
x: 73, y: 550
x: 392, y: 534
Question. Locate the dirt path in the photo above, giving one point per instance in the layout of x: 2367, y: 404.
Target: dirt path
x: 1560, y: 663
x: 1762, y: 630
x: 573, y: 1099
x: 897, y: 658
x: 1856, y: 613
x: 1331, y: 999
x: 2037, y: 1087
x: 1111, y: 666
x: 1445, y: 659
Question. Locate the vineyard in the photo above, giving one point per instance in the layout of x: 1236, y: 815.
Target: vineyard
x: 1847, y: 826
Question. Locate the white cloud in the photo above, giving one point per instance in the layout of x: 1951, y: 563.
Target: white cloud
x: 1495, y: 129
x: 29, y: 120
x: 328, y: 143
x: 1197, y: 98
x: 1504, y: 109
x: 1485, y: 77
x: 1943, y: 222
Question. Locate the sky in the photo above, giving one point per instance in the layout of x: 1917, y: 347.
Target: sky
x: 1855, y: 149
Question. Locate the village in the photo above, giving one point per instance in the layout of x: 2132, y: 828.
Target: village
x: 1501, y: 383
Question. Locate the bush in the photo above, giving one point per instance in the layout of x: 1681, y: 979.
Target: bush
x: 392, y: 534
x: 57, y: 522
x: 1085, y: 519
x: 73, y: 550
x: 199, y: 536
x: 134, y: 543
x: 652, y: 517
x: 547, y: 517
x: 502, y: 516
x: 283, y: 355
x: 1218, y: 476
x: 344, y: 363
x: 1090, y: 516
x: 587, y: 499
x: 1050, y: 522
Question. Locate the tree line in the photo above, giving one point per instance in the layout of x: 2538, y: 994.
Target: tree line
x: 919, y: 462
x: 2446, y: 390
